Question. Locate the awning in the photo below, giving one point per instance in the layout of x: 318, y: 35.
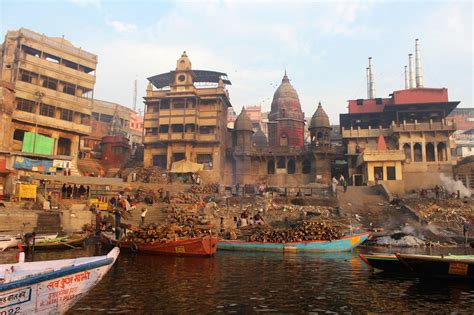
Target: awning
x: 185, y: 166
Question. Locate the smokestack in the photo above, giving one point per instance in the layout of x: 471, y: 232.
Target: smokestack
x: 419, y: 74
x: 368, y: 83
x: 406, y: 78
x: 371, y: 80
x: 411, y: 71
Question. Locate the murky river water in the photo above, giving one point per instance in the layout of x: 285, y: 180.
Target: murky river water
x: 239, y: 282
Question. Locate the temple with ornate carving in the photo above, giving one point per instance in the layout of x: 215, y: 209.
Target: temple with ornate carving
x: 186, y: 116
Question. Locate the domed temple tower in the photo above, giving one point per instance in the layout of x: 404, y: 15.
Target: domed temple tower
x: 242, y: 145
x: 259, y: 140
x: 286, y: 120
x: 319, y: 128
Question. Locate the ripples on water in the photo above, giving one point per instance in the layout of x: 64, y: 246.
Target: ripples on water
x: 239, y: 282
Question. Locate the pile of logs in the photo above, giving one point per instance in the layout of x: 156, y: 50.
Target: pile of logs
x: 165, y: 233
x: 204, y: 189
x: 182, y: 198
x: 304, y: 231
x: 149, y: 174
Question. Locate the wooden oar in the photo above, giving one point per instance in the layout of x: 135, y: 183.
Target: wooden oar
x: 73, y: 247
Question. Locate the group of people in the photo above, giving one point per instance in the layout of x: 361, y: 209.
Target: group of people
x: 246, y: 219
x: 335, y: 182
x: 74, y: 191
x: 441, y: 193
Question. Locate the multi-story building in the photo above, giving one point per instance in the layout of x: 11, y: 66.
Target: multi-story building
x: 186, y: 118
x: 403, y: 140
x: 53, y: 83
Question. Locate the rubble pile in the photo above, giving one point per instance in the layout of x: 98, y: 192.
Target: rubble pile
x: 453, y: 211
x: 204, y: 189
x: 305, y: 231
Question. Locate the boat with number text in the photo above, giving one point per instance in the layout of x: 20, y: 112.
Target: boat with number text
x: 52, y: 286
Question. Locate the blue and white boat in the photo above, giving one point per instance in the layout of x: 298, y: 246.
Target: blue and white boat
x: 343, y: 244
x: 52, y: 286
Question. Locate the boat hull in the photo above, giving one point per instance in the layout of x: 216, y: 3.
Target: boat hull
x: 388, y: 263
x: 52, y: 245
x: 53, y: 292
x: 195, y: 246
x: 344, y: 244
x: 455, y: 267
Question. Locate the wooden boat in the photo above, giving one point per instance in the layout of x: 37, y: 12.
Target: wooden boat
x: 12, y: 242
x: 343, y: 244
x: 451, y: 266
x: 195, y: 246
x: 67, y: 242
x: 384, y: 262
x: 50, y: 287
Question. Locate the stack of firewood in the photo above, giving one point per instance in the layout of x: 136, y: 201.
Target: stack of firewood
x: 204, y: 189
x: 165, y: 233
x: 182, y: 198
x: 303, y: 231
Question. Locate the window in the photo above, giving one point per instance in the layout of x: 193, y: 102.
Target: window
x: 85, y: 119
x: 306, y: 166
x: 160, y: 160
x: 179, y: 105
x: 66, y: 114
x: 51, y: 58
x: 25, y: 105
x: 360, y: 102
x: 271, y: 167
x: 205, y: 159
x: 391, y: 174
x: 378, y: 173
x: 206, y: 130
x: 69, y: 88
x: 47, y: 110
x: 28, y: 76
x: 18, y: 134
x: 106, y: 118
x: 378, y: 101
x: 178, y: 156
x: 281, y: 163
x: 31, y: 51
x: 116, y: 150
x: 430, y: 153
x: 190, y: 127
x: 165, y: 104
x: 177, y: 128
x: 95, y: 115
x: 70, y: 64
x: 407, y: 150
x: 50, y: 83
x: 417, y: 154
x: 291, y: 166
x: 163, y: 128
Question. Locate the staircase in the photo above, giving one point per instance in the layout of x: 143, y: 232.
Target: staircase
x: 74, y: 170
x: 48, y: 222
x: 359, y: 196
x: 89, y: 166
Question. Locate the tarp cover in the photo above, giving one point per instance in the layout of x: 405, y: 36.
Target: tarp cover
x: 185, y: 166
x: 44, y: 145
x: 42, y: 166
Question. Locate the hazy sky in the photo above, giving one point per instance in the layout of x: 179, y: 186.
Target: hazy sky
x: 323, y: 45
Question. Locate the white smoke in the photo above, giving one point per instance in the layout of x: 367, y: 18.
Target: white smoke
x: 452, y: 185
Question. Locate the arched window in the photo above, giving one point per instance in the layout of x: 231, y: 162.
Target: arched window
x: 271, y: 167
x: 283, y: 140
x: 407, y: 150
x: 417, y: 154
x: 281, y: 163
x: 442, y: 154
x: 306, y: 166
x: 291, y: 166
x: 319, y: 136
x: 430, y: 153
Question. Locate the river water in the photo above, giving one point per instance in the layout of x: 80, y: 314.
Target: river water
x: 244, y: 283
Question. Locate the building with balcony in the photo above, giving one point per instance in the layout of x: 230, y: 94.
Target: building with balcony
x: 412, y: 121
x: 186, y: 119
x: 53, y: 82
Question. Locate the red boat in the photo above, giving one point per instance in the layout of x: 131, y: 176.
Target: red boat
x: 195, y: 246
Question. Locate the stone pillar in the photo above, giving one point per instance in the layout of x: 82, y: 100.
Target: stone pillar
x: 423, y: 151
x: 435, y: 151
x: 169, y: 156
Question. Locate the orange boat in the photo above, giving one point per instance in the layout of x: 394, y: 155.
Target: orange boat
x: 195, y: 246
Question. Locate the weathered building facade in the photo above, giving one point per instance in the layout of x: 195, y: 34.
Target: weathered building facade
x: 53, y: 83
x: 186, y: 121
x: 412, y: 123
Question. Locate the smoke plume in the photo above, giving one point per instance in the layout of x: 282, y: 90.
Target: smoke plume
x: 452, y: 185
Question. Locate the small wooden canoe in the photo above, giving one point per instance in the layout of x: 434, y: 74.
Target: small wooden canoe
x: 50, y: 287
x: 195, y: 246
x: 381, y: 262
x: 343, y: 244
x: 58, y: 243
x: 451, y: 266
